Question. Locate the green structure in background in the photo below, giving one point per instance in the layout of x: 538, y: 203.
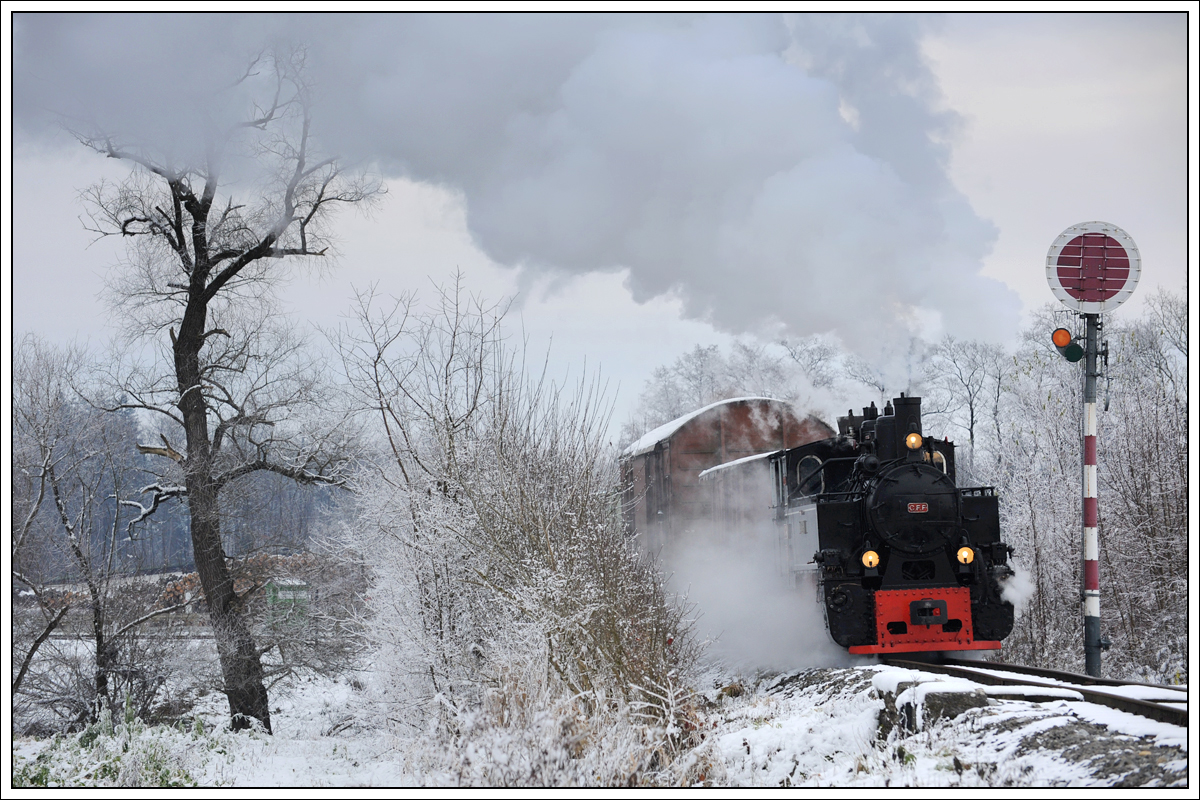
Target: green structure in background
x: 287, y: 598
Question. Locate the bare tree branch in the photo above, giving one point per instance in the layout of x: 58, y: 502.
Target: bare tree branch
x: 161, y: 493
x: 124, y: 629
x: 166, y: 451
x: 43, y: 636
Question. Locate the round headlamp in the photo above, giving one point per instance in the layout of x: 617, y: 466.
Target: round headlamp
x: 913, y: 440
x: 965, y: 555
x: 870, y: 559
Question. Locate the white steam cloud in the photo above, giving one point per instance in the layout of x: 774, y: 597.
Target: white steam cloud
x: 1018, y: 589
x: 779, y: 175
x: 747, y: 611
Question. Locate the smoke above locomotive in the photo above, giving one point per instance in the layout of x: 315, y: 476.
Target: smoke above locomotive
x: 879, y: 548
x: 675, y: 149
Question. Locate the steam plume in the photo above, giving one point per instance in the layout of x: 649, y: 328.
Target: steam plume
x: 780, y: 175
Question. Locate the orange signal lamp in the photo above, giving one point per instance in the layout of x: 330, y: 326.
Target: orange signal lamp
x: 1065, y: 343
x: 965, y: 555
x: 913, y: 441
x: 870, y: 559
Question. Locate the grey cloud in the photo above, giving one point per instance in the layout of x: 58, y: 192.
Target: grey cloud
x: 707, y: 155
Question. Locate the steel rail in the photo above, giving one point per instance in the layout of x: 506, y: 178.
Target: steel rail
x: 1144, y: 708
x: 1059, y: 675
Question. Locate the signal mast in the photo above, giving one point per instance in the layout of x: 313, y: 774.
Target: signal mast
x: 1092, y: 268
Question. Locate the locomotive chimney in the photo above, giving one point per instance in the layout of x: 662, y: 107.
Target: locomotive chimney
x: 908, y: 415
x: 897, y: 422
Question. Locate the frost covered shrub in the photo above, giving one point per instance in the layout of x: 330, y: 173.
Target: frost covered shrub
x: 124, y: 753
x: 504, y: 587
x: 520, y: 566
x: 545, y: 502
x: 566, y: 742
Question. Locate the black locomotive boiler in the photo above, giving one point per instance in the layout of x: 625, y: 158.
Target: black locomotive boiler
x: 903, y: 559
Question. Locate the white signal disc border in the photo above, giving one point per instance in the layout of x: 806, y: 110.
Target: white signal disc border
x: 1135, y: 267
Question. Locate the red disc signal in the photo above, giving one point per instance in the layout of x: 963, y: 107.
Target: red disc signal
x: 1093, y: 267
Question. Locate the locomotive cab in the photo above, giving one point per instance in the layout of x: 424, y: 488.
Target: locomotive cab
x: 904, y: 559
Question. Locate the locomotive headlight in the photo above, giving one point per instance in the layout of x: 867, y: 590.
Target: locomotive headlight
x: 966, y: 555
x: 870, y: 559
x: 913, y: 440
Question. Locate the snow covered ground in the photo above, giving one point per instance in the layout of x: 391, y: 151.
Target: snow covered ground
x: 815, y: 727
x: 820, y: 728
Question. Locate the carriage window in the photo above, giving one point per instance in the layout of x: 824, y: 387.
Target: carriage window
x: 939, y: 461
x: 809, y: 475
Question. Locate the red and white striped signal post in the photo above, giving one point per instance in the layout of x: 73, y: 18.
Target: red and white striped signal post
x: 1092, y: 268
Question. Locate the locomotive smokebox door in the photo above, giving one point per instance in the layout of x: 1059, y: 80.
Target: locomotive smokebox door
x: 928, y: 612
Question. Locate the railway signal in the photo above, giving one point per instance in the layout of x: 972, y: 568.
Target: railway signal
x: 1066, y: 345
x: 1092, y: 268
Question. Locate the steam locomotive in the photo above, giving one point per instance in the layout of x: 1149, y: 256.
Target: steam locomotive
x: 873, y: 521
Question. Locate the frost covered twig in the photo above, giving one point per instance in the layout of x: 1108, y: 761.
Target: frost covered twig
x: 161, y: 493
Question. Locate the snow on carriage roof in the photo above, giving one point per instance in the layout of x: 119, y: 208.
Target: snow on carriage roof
x: 734, y: 463
x: 647, y: 442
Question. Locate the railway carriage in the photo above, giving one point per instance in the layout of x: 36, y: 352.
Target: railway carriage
x: 665, y: 505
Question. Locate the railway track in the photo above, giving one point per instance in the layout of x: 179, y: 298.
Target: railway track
x: 1162, y: 703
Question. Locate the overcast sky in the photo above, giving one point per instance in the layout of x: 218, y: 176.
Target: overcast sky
x: 644, y: 184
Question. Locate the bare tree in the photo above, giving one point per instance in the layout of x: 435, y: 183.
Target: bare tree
x: 965, y: 377
x: 705, y: 375
x: 817, y: 357
x: 1144, y: 492
x: 41, y: 438
x: 75, y: 465
x: 1028, y: 430
x: 233, y: 384
x: 859, y: 369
